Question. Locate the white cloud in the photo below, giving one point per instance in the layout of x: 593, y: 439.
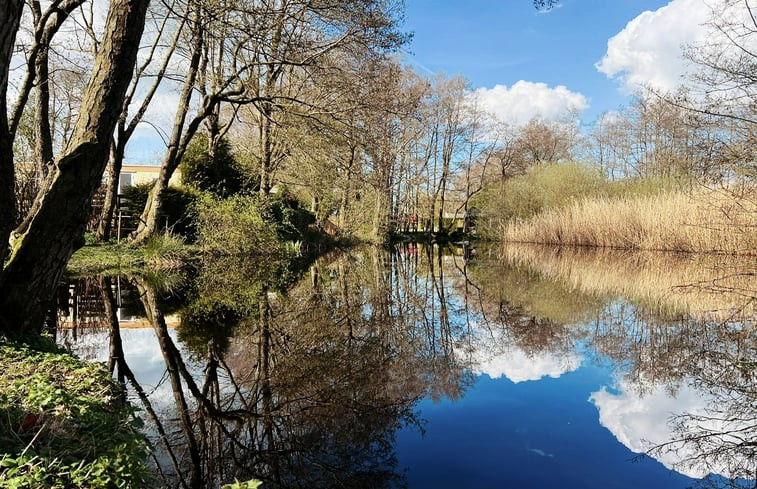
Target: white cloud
x: 641, y: 422
x: 492, y: 352
x: 525, y: 100
x: 518, y: 366
x: 648, y: 51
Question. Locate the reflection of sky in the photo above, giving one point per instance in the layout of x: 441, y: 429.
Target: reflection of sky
x: 143, y: 356
x: 642, y: 421
x: 490, y: 353
x: 536, y: 434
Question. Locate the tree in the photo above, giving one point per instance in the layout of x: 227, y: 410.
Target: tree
x: 10, y: 18
x: 218, y: 173
x: 126, y: 127
x: 250, y: 54
x: 40, y: 254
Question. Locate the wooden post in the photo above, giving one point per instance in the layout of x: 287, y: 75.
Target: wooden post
x: 118, y: 231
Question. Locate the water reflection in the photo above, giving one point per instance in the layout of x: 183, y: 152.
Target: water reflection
x: 304, y: 379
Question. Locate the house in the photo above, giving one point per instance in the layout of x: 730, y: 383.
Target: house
x: 139, y: 174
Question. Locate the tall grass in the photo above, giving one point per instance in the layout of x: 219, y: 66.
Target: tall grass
x: 556, y: 186
x: 703, y: 220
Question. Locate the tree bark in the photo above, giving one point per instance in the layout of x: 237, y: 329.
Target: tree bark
x: 40, y: 255
x: 10, y: 17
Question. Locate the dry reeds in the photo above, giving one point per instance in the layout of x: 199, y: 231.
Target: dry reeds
x: 700, y: 221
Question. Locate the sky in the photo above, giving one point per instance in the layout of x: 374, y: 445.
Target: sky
x: 589, y: 55
x: 584, y: 55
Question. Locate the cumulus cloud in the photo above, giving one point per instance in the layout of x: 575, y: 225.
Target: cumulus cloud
x: 648, y: 51
x: 492, y: 352
x: 518, y: 366
x: 641, y: 422
x: 525, y: 100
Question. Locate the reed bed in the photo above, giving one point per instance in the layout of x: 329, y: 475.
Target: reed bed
x: 714, y: 287
x: 698, y: 221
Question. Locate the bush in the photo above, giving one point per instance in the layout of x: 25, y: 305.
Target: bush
x: 234, y: 226
x: 178, y: 203
x: 542, y: 187
x: 221, y: 175
x: 63, y: 423
x: 556, y: 186
x: 290, y: 219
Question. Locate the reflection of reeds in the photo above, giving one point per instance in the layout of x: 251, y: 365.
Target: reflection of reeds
x: 703, y: 221
x: 704, y: 286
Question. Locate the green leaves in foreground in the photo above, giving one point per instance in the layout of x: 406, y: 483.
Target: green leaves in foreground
x: 250, y: 484
x: 62, y: 424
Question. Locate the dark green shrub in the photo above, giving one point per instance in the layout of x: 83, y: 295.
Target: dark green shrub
x: 221, y: 175
x: 176, y: 215
x: 234, y: 226
x: 289, y: 218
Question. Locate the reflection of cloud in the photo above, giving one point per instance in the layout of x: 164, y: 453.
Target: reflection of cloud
x: 640, y: 422
x: 143, y: 356
x: 518, y: 366
x: 541, y: 452
x: 493, y: 354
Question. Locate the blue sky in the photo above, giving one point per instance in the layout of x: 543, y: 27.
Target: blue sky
x: 494, y: 42
x: 526, y: 63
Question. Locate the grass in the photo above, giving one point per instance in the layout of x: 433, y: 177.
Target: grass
x: 63, y: 423
x: 699, y: 221
x: 556, y: 186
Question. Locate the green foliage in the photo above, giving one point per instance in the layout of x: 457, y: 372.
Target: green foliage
x: 235, y: 226
x: 250, y: 484
x: 97, y: 259
x: 63, y: 424
x: 176, y: 211
x: 555, y: 186
x: 220, y: 175
x: 160, y: 254
x: 542, y: 187
x: 291, y: 220
x: 229, y: 292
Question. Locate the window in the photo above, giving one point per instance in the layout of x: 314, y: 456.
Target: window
x: 125, y: 180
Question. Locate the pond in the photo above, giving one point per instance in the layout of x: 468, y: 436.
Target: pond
x: 427, y: 367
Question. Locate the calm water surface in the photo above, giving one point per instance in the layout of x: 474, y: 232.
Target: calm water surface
x: 427, y: 367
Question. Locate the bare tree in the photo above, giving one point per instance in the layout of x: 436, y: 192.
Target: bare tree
x: 39, y: 256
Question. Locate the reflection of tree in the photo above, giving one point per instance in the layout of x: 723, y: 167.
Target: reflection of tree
x: 531, y: 313
x: 305, y: 382
x: 314, y: 384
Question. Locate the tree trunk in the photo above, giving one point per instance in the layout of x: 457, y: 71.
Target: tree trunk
x: 10, y: 17
x: 266, y: 151
x: 43, y: 137
x: 105, y: 226
x: 40, y: 255
x: 179, y: 141
x: 347, y: 188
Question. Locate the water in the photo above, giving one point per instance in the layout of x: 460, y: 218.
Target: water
x: 427, y: 367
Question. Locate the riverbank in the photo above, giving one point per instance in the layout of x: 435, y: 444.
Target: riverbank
x: 65, y: 423
x: 698, y: 221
